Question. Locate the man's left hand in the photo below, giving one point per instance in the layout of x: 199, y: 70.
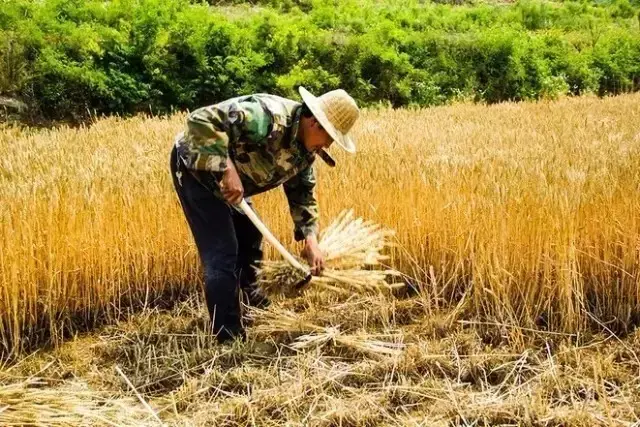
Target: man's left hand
x: 313, y: 255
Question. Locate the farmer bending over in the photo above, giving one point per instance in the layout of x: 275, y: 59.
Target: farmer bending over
x: 245, y: 146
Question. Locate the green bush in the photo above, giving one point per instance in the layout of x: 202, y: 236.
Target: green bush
x: 71, y: 58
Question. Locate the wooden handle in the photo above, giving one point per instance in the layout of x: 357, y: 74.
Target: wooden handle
x: 244, y: 206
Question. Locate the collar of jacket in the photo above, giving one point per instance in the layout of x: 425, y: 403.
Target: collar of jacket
x: 295, y: 141
x: 295, y: 122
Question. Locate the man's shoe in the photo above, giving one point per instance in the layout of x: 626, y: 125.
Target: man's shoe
x: 226, y: 335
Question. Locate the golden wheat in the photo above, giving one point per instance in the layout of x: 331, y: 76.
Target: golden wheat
x: 38, y: 402
x: 353, y: 250
x: 276, y: 320
x: 529, y: 212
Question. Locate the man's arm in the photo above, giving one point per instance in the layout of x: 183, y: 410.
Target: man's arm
x: 211, y: 130
x: 302, y: 203
x: 304, y: 212
x: 206, y: 140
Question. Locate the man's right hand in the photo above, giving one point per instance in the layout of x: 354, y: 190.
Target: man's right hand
x: 231, y: 186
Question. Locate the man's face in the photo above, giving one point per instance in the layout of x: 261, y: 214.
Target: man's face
x: 315, y: 137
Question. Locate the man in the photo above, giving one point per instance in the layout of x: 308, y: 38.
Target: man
x: 245, y: 146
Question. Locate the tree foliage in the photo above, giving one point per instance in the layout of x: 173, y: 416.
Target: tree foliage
x: 70, y: 58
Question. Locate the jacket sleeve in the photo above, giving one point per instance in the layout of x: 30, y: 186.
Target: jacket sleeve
x: 302, y: 203
x: 212, y: 130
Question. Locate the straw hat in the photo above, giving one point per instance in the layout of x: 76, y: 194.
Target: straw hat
x: 337, y: 112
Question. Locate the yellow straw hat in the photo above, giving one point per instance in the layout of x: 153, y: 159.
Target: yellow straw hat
x: 337, y: 112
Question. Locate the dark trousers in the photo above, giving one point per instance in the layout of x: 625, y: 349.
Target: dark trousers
x: 229, y: 246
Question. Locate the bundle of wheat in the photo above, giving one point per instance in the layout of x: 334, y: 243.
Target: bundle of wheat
x: 276, y: 320
x: 352, y: 249
x: 350, y: 242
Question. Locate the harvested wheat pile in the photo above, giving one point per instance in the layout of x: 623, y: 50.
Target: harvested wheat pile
x: 353, y: 250
x: 36, y: 402
x: 309, y: 335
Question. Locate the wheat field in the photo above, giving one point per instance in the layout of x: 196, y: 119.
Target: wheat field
x: 523, y: 214
x: 516, y: 226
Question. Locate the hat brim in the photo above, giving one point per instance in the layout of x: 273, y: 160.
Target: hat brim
x: 344, y: 141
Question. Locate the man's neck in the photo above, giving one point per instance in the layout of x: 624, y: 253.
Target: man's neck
x: 300, y: 134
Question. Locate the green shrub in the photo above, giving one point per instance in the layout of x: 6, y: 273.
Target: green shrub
x: 70, y: 58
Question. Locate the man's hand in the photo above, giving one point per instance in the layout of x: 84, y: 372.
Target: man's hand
x: 231, y: 186
x: 313, y: 255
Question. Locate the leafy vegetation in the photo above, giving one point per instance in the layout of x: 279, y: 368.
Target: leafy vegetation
x: 71, y: 58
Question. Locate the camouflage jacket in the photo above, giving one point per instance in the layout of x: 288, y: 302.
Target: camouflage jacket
x: 258, y: 132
